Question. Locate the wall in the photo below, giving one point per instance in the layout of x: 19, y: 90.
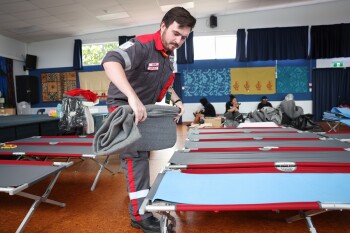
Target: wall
x: 59, y: 53
x: 11, y: 48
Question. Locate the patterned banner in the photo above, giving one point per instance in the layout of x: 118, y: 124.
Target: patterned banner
x: 292, y: 79
x: 55, y: 84
x: 206, y: 82
x: 250, y: 81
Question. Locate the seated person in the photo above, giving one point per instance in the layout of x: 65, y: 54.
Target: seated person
x: 208, y: 111
x: 232, y: 115
x: 229, y: 103
x: 232, y: 107
x: 289, y: 108
x: 264, y: 103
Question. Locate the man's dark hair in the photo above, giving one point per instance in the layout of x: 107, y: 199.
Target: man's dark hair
x: 232, y: 97
x: 264, y: 98
x: 203, y: 101
x: 179, y: 15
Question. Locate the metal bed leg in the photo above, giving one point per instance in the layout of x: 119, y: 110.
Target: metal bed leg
x: 99, y: 171
x: 307, y: 216
x: 333, y: 127
x: 311, y: 227
x: 34, y: 197
x: 167, y: 222
x: 37, y: 202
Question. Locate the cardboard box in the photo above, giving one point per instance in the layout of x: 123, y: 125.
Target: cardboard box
x: 213, y: 122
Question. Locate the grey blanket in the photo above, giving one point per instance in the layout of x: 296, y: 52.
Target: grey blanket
x: 119, y: 134
x: 290, y: 109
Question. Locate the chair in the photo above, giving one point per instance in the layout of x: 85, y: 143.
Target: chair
x: 40, y: 111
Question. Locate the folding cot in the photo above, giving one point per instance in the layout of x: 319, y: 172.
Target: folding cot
x: 253, y: 136
x: 309, y: 189
x: 306, y: 174
x: 16, y: 176
x: 263, y: 144
x: 336, y: 117
x: 344, y: 136
x: 56, y: 147
x: 243, y: 130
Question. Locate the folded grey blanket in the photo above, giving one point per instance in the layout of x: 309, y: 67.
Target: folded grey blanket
x: 119, y: 134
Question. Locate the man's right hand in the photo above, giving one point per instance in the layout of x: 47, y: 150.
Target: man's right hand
x: 138, y: 108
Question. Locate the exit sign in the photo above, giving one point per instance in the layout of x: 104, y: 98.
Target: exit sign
x: 337, y: 64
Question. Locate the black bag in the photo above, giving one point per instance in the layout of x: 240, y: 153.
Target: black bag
x: 303, y: 122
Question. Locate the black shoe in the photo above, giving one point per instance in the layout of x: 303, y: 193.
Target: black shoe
x: 148, y: 225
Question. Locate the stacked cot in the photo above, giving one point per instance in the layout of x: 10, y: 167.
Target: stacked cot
x: 224, y: 169
x: 29, y: 165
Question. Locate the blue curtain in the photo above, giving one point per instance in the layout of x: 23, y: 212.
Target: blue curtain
x: 329, y: 41
x: 78, y: 55
x: 6, y: 81
x: 177, y: 86
x: 330, y: 87
x: 123, y: 39
x: 292, y: 43
x: 261, y: 44
x: 277, y: 43
x: 185, y: 54
x: 240, y: 46
x: 3, y: 79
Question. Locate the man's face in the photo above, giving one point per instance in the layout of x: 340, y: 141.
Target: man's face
x: 173, y: 36
x: 264, y: 101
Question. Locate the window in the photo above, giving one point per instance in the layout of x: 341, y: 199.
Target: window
x: 94, y: 53
x: 214, y: 47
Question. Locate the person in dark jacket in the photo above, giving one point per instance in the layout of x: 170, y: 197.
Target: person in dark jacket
x: 229, y: 103
x: 264, y: 103
x: 208, y: 111
x: 141, y: 73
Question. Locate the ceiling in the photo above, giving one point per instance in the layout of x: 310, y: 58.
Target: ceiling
x: 39, y: 20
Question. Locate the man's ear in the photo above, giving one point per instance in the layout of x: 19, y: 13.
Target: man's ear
x: 162, y: 26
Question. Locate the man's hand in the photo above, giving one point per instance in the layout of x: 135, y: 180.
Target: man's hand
x: 182, y: 110
x: 138, y: 108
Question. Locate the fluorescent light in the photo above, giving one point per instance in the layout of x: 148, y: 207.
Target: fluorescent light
x: 186, y: 5
x: 119, y: 15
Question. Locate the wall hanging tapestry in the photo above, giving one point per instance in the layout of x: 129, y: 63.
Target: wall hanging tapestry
x: 292, y: 79
x: 55, y: 84
x: 207, y: 82
x: 257, y: 80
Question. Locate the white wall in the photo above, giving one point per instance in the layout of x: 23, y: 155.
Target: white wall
x: 328, y: 63
x: 59, y: 53
x: 15, y: 50
x: 11, y: 48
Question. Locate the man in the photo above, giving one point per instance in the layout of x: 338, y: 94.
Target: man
x: 264, y: 103
x: 141, y: 72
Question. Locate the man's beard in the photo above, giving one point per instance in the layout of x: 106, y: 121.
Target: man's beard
x: 167, y: 45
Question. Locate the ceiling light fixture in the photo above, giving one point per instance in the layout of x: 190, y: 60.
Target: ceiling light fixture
x: 186, y: 5
x: 119, y: 15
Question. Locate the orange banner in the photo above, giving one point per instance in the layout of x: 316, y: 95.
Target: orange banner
x: 257, y: 80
